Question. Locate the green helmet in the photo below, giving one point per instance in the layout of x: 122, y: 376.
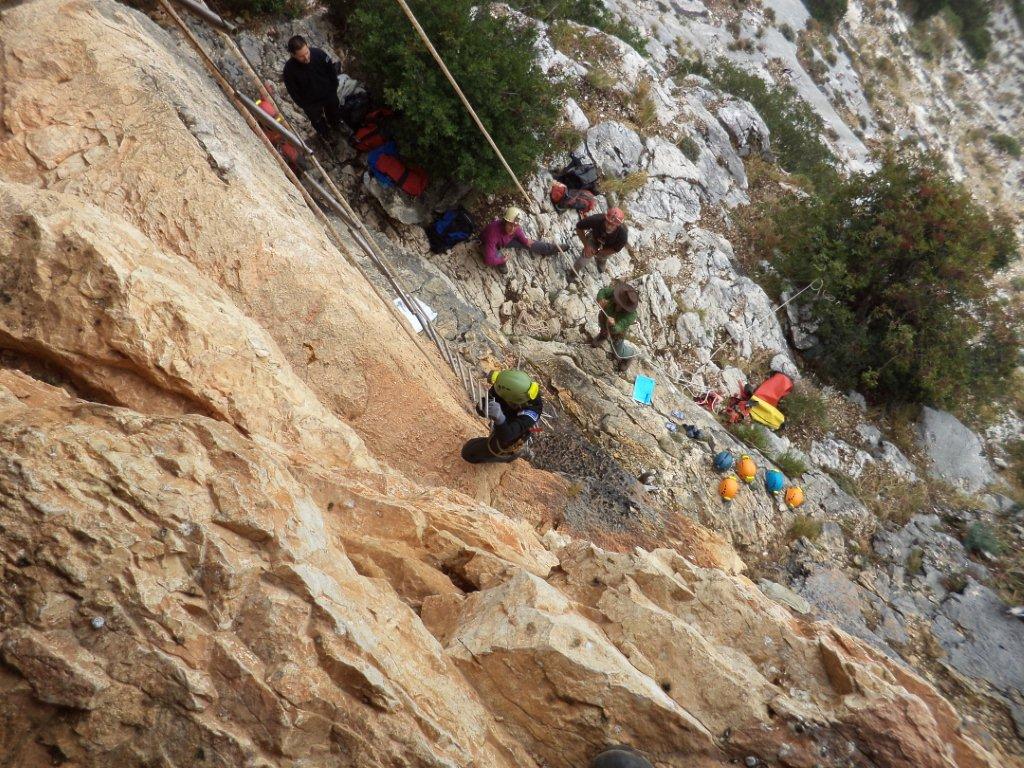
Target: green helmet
x: 514, y: 386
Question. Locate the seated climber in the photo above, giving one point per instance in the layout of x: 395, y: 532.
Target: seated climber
x: 601, y: 235
x: 514, y: 407
x: 504, y: 232
x: 311, y: 78
x: 618, y: 303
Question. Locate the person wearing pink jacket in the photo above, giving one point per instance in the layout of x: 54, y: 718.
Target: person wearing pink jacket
x: 505, y: 232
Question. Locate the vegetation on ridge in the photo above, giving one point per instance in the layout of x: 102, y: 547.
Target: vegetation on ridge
x: 968, y: 17
x: 591, y: 13
x: 794, y: 126
x: 905, y: 254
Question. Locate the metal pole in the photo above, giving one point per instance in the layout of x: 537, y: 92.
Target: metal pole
x: 207, y: 15
x: 272, y: 124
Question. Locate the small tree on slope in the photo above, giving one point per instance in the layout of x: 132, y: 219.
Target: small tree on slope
x: 493, y: 60
x: 906, y: 255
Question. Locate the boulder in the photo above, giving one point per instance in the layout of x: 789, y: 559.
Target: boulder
x: 745, y: 126
x: 955, y: 453
x: 615, y: 148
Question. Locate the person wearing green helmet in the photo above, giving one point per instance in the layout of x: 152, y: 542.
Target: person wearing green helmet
x: 514, y: 407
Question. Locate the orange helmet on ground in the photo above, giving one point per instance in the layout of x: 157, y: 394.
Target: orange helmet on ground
x: 794, y: 496
x: 728, y: 488
x: 746, y: 469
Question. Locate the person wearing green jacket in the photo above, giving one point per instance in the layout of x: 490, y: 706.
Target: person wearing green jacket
x: 618, y: 303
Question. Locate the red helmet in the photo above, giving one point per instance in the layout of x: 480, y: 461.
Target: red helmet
x: 615, y: 216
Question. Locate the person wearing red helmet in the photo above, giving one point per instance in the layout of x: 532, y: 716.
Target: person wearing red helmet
x: 601, y: 235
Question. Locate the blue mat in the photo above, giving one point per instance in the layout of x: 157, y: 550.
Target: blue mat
x: 643, y: 390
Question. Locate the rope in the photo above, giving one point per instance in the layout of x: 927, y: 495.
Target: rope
x: 465, y: 102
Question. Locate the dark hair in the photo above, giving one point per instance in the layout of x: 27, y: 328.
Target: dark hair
x: 296, y: 44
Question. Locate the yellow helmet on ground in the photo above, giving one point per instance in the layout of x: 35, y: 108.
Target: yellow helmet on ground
x: 514, y: 386
x: 746, y: 469
x: 794, y: 496
x: 728, y: 488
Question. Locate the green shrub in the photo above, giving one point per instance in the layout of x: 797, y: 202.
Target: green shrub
x: 592, y: 13
x: 753, y: 435
x: 690, y: 148
x: 968, y: 17
x: 905, y: 255
x: 493, y: 61
x: 955, y: 582
x: 795, y: 127
x: 828, y: 12
x: 915, y: 561
x: 808, y: 408
x: 805, y: 527
x: 1008, y: 145
x: 981, y: 537
x: 791, y: 464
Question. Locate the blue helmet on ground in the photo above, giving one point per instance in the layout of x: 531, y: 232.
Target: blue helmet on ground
x: 723, y: 461
x: 774, y: 481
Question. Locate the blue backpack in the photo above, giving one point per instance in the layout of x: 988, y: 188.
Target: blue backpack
x: 450, y: 228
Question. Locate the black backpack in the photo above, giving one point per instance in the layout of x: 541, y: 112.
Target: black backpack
x: 578, y: 175
x: 354, y: 109
x: 450, y: 228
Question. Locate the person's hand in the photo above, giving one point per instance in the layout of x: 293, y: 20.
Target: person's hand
x: 588, y: 250
x: 494, y: 412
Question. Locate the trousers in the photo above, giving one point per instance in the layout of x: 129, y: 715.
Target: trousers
x: 324, y: 115
x: 475, y: 451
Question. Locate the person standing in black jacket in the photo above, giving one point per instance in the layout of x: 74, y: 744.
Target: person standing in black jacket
x: 312, y: 81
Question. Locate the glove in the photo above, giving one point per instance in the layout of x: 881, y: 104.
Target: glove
x: 494, y: 412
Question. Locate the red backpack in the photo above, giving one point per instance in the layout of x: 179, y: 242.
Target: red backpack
x: 391, y: 171
x: 373, y: 132
x: 290, y: 153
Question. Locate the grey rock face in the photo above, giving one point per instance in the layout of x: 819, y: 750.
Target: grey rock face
x: 615, y: 149
x: 955, y: 453
x: 745, y: 126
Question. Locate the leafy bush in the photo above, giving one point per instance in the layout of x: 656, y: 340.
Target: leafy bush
x: 808, y: 407
x: 805, y: 527
x: 828, y: 12
x: 791, y: 464
x: 915, y: 561
x: 905, y: 255
x: 955, y: 582
x: 982, y: 538
x: 592, y: 13
x: 1008, y: 145
x: 690, y: 148
x: 795, y: 127
x: 969, y: 17
x: 753, y: 435
x: 493, y: 61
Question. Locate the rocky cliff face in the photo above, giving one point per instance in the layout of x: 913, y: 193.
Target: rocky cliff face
x: 233, y: 523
